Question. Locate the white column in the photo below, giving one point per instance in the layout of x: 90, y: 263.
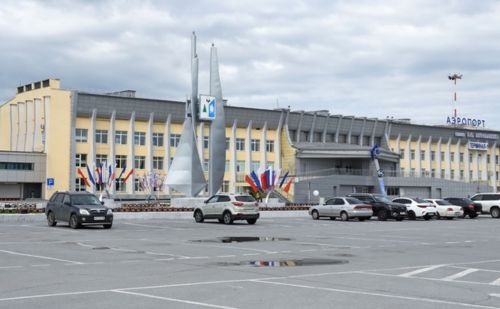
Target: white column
x: 484, y: 165
x: 493, y: 167
x: 428, y: 155
x: 201, y: 135
x: 475, y: 163
x: 263, y: 147
x: 14, y: 118
x: 29, y: 125
x: 418, y: 166
x: 277, y: 143
x: 21, y: 128
x: 111, y: 159
x: 37, y: 136
x: 397, y: 149
x: 149, y: 143
x: 166, y: 147
x: 457, y: 161
x: 232, y: 147
x: 91, y: 139
x: 131, y: 156
x: 248, y: 148
x: 438, y: 159
x: 407, y: 155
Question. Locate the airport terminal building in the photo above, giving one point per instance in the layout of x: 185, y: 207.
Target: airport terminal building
x: 50, y: 132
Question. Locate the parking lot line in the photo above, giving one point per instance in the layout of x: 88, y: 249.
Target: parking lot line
x: 460, y: 274
x: 421, y: 270
x: 174, y: 300
x: 417, y: 299
x: 496, y: 282
x: 40, y: 257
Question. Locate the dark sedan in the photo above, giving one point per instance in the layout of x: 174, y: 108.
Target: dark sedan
x: 471, y: 208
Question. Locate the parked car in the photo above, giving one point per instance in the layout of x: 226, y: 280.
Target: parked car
x: 471, y: 208
x: 343, y: 207
x: 382, y: 206
x: 417, y: 207
x: 77, y: 208
x: 490, y: 203
x: 227, y: 207
x: 445, y: 209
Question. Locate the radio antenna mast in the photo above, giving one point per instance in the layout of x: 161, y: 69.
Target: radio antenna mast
x: 454, y: 78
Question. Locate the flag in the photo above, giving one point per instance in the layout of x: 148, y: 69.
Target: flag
x: 251, y: 183
x: 255, y: 178
x: 287, y: 187
x: 83, y: 177
x: 123, y: 171
x: 269, y: 179
x: 283, y: 180
x: 89, y: 172
x: 99, y: 176
x: 263, y: 180
x: 276, y: 178
x: 128, y: 175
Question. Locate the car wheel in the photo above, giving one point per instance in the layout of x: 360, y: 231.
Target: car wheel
x: 333, y: 218
x: 399, y: 219
x: 51, y: 219
x: 73, y: 222
x: 198, y: 216
x: 361, y: 218
x: 344, y: 216
x: 463, y: 216
x: 315, y: 215
x: 382, y: 215
x: 227, y: 217
x: 107, y: 226
x: 450, y: 218
x: 472, y: 215
x: 495, y: 212
x: 438, y: 216
x: 411, y: 215
x: 427, y: 217
x: 221, y: 221
x: 251, y: 221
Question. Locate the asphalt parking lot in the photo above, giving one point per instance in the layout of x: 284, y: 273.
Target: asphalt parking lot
x: 278, y: 263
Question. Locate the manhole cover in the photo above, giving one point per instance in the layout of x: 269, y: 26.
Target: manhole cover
x: 242, y: 239
x: 286, y: 263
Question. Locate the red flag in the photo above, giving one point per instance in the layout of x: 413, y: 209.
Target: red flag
x: 251, y: 183
x: 83, y: 177
x: 263, y: 181
x: 128, y: 175
x: 98, y: 180
x: 287, y: 187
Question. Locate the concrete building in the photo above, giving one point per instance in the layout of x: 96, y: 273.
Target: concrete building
x: 329, y: 153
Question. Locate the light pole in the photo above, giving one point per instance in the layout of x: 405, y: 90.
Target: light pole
x: 454, y: 78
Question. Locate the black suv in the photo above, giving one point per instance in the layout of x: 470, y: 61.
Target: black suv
x: 471, y: 208
x: 382, y: 207
x: 78, y: 208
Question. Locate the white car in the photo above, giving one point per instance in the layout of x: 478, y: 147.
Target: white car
x: 417, y: 207
x: 490, y: 203
x: 227, y: 207
x: 343, y: 207
x: 445, y: 209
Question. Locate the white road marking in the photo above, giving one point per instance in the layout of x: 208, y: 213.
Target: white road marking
x: 226, y: 256
x: 460, y: 274
x: 174, y: 300
x: 419, y: 271
x: 496, y: 282
x: 422, y: 278
x: 417, y: 299
x: 40, y: 257
x: 250, y: 254
x: 168, y: 259
x: 10, y: 267
x: 494, y: 295
x: 40, y: 265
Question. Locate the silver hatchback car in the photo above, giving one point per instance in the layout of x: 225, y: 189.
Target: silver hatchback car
x: 343, y: 207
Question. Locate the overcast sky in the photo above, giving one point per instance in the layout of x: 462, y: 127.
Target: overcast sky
x: 362, y: 58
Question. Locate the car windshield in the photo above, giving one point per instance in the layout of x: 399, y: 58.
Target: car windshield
x: 244, y: 198
x: 382, y: 199
x: 352, y: 200
x: 442, y: 202
x: 86, y: 199
x: 419, y: 200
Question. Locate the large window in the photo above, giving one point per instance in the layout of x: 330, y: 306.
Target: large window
x: 79, y: 184
x: 442, y: 155
x: 240, y: 166
x: 137, y: 185
x: 206, y: 142
x: 402, y: 154
x: 412, y: 154
x: 461, y: 157
x: 422, y: 155
x: 101, y: 136
x: 433, y: 155
x: 81, y: 135
x: 139, y: 138
x: 255, y: 144
x: 121, y: 137
x: 227, y: 143
x: 100, y: 159
x: 140, y: 162
x: 120, y: 185
x: 174, y: 140
x: 81, y: 160
x: 255, y: 166
x: 270, y: 146
x: 158, y: 139
x: 240, y: 144
x: 158, y: 163
x: 121, y: 161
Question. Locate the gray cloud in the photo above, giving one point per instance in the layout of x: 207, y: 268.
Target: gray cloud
x: 364, y: 58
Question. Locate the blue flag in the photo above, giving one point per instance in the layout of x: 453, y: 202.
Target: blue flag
x: 256, y: 180
x: 283, y: 180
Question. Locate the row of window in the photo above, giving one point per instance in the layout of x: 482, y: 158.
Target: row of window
x: 442, y: 153
x: 140, y: 162
x: 101, y: 137
x: 16, y: 166
x: 432, y: 173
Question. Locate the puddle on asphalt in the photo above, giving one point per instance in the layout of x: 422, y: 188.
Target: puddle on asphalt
x: 241, y: 239
x: 100, y: 248
x: 285, y: 263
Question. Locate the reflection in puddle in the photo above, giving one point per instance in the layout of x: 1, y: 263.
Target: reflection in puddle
x: 242, y: 239
x: 286, y: 263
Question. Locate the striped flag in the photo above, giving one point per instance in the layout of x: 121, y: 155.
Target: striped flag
x: 83, y: 177
x: 251, y: 183
x: 283, y: 180
x: 89, y: 173
x: 263, y: 180
x: 256, y: 180
x: 269, y: 178
x: 123, y: 171
x: 128, y: 175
